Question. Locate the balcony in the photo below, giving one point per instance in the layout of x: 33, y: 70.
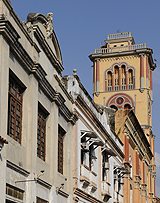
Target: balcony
x: 120, y: 49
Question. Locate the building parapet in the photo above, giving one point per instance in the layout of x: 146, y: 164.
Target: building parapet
x: 120, y: 49
x: 119, y: 35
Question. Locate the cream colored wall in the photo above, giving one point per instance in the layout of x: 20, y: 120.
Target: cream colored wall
x: 140, y: 98
x: 118, y: 44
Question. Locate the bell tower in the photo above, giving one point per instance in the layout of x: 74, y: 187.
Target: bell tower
x: 122, y: 76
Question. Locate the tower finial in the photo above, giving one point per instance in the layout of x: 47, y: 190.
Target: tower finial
x: 74, y: 71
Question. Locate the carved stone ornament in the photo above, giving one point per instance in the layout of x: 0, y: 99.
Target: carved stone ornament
x: 49, y: 25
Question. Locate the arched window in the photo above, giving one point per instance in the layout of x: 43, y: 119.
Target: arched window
x: 127, y: 106
x: 123, y: 77
x: 130, y: 79
x: 108, y: 81
x: 114, y: 107
x: 116, y: 76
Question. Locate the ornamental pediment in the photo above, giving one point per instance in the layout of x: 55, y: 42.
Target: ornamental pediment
x: 43, y: 29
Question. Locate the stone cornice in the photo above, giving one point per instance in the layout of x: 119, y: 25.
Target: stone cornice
x: 31, y: 67
x: 70, y: 117
x: 59, y: 100
x: 86, y: 196
x: 11, y: 36
x: 124, y: 53
x: 47, y: 89
x: 19, y: 23
x: 38, y: 71
x: 47, y: 50
x: 17, y: 168
x: 147, y: 51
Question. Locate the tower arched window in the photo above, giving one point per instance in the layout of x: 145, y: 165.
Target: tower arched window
x: 114, y: 107
x: 127, y: 106
x: 130, y: 79
x: 116, y: 76
x: 123, y: 77
x: 108, y: 81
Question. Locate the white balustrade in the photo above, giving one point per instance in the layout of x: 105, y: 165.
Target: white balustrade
x: 120, y: 49
x: 119, y: 35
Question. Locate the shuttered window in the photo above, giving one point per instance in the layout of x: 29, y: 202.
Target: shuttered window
x: 14, y: 192
x: 41, y: 133
x: 15, y: 99
x: 61, y: 134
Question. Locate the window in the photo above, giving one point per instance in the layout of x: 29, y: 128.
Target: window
x: 105, y: 166
x: 84, y: 150
x: 127, y: 106
x: 41, y: 132
x: 15, y: 99
x: 14, y: 192
x: 116, y: 75
x: 91, y: 156
x: 123, y: 69
x: 39, y: 200
x: 114, y: 107
x: 130, y: 79
x: 108, y: 81
x: 61, y: 134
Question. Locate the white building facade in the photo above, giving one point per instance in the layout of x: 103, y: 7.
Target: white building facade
x: 36, y: 112
x: 98, y: 154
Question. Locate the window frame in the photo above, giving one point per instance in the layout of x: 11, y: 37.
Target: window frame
x: 15, y: 104
x: 60, y: 160
x: 41, y: 132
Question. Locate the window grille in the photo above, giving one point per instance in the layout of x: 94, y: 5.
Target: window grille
x: 15, y: 99
x: 14, y: 192
x: 41, y: 133
x: 61, y: 134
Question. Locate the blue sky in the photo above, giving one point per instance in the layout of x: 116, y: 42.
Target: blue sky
x: 81, y: 26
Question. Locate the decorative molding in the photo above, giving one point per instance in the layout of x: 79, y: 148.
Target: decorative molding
x: 63, y: 193
x: 120, y: 54
x: 67, y: 114
x: 19, y: 23
x: 47, y: 50
x: 17, y: 168
x: 86, y: 196
x: 44, y: 183
x: 47, y: 89
x: 38, y: 71
x: 59, y: 99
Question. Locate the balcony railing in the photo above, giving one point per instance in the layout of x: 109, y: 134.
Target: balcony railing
x: 119, y: 35
x: 120, y: 49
